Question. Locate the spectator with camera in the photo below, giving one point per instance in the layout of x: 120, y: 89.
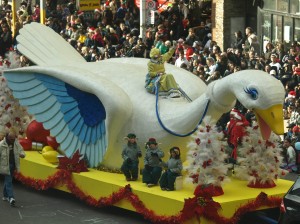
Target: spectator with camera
x: 138, y: 50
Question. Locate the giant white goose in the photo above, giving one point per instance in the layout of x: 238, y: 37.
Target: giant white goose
x: 92, y: 106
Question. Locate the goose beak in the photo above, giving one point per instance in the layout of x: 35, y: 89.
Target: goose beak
x: 270, y: 119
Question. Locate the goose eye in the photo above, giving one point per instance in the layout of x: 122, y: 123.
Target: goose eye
x: 252, y: 93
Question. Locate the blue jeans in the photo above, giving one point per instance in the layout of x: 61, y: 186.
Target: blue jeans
x: 130, y: 169
x: 8, y: 187
x: 151, y: 175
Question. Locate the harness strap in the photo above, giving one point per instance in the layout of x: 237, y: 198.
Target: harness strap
x: 167, y: 129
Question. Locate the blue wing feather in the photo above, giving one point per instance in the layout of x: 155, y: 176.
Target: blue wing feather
x: 25, y: 85
x: 83, y: 133
x: 55, y: 131
x: 70, y: 106
x: 84, y: 149
x: 98, y: 131
x: 62, y: 135
x: 94, y: 134
x: 76, y: 144
x: 73, y: 143
x: 79, y: 126
x: 37, y: 98
x: 53, y: 120
x: 93, y: 150
x: 88, y: 135
x: 74, y: 117
x: 29, y: 93
x: 68, y: 140
x: 74, y: 122
x: 70, y: 111
x: 57, y: 93
x: 64, y: 99
x: 35, y: 108
x: 103, y: 129
x: 53, y: 111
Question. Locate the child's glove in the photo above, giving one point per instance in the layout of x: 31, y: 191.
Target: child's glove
x: 139, y: 154
x: 154, y: 154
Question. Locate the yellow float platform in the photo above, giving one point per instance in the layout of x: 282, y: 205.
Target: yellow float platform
x: 99, y: 184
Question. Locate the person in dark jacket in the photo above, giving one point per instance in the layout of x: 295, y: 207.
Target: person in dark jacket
x: 130, y: 154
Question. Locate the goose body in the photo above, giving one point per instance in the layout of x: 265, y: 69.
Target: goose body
x: 113, y: 90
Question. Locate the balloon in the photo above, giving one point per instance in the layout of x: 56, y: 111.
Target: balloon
x: 52, y: 142
x: 297, y: 145
x: 47, y: 149
x: 25, y: 143
x: 36, y: 132
x: 51, y: 156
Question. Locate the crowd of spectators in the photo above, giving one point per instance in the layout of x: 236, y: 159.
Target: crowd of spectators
x: 113, y: 30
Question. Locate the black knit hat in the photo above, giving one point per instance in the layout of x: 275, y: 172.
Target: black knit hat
x: 131, y: 135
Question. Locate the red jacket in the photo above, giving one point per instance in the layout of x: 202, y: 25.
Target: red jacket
x: 189, y: 53
x: 235, y: 132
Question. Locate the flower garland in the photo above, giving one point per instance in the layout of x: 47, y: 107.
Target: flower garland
x: 202, y: 205
x: 109, y: 170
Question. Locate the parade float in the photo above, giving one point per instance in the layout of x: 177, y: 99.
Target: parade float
x: 84, y: 110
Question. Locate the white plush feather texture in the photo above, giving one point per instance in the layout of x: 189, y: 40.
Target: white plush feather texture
x: 206, y: 157
x: 260, y: 157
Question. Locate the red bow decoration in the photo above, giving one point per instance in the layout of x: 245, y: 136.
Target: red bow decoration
x: 202, y: 204
x: 74, y: 164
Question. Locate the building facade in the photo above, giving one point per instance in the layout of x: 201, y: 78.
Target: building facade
x: 276, y: 21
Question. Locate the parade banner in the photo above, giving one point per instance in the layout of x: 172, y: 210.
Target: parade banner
x: 88, y: 5
x: 161, y: 5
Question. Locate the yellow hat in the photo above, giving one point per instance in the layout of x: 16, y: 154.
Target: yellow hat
x: 154, y: 53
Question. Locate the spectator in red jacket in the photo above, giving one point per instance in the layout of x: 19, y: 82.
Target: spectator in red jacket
x: 189, y: 51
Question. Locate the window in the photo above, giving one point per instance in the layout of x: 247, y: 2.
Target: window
x: 295, y: 6
x: 277, y: 30
x: 287, y: 31
x: 266, y: 26
x: 266, y: 29
x: 288, y: 28
x: 282, y: 5
x: 278, y: 5
x: 269, y: 4
x: 297, y: 30
x: 279, y: 21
